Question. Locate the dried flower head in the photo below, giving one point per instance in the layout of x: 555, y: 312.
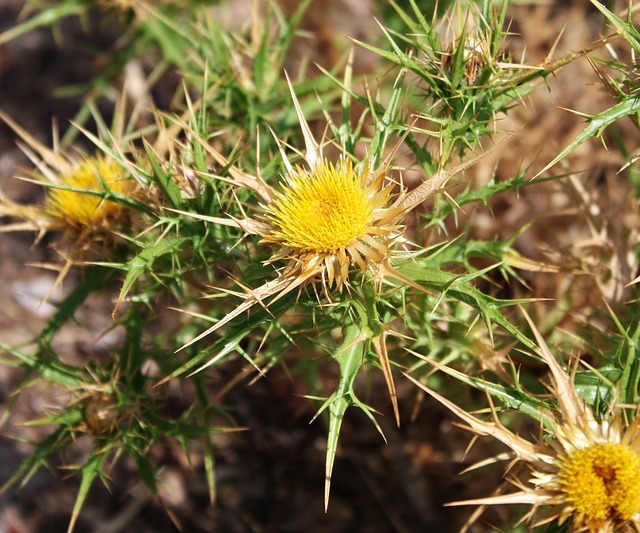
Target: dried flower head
x: 102, y: 414
x: 584, y: 470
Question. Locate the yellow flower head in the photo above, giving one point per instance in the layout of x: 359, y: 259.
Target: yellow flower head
x: 80, y: 192
x: 326, y: 220
x: 331, y: 216
x: 322, y: 211
x: 586, y: 471
x: 80, y: 199
x: 601, y: 481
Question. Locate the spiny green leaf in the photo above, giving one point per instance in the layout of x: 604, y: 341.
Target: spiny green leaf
x: 459, y: 287
x: 350, y: 356
x: 44, y: 449
x: 164, y: 180
x: 596, y: 126
x: 90, y: 470
x: 625, y: 29
x: 46, y: 366
x: 143, y: 262
x: 148, y: 474
x: 69, y: 417
x: 509, y: 397
x: 258, y: 317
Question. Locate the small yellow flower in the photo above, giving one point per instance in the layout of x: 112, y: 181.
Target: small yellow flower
x: 80, y: 198
x: 601, y: 481
x: 586, y: 470
x: 322, y: 211
x: 332, y: 217
x: 79, y: 192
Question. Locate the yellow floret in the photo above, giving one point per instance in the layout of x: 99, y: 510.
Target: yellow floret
x: 322, y: 211
x: 81, y: 198
x: 602, y: 481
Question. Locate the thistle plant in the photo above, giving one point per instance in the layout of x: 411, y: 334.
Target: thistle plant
x: 330, y: 226
x: 334, y: 226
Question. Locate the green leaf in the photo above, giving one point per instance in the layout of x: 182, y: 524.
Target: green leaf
x: 208, y: 457
x: 460, y: 288
x: 143, y: 262
x: 593, y: 386
x: 258, y: 317
x: 58, y: 439
x: 164, y: 180
x: 46, y: 365
x: 625, y: 29
x: 148, y: 474
x: 628, y: 361
x: 509, y: 397
x: 69, y: 417
x: 47, y: 17
x: 597, y: 124
x: 90, y: 470
x: 350, y: 356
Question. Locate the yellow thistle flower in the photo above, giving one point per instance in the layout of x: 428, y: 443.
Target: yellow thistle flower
x: 78, y: 202
x: 586, y: 470
x: 78, y: 191
x: 327, y: 222
x: 80, y: 198
x: 333, y: 217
